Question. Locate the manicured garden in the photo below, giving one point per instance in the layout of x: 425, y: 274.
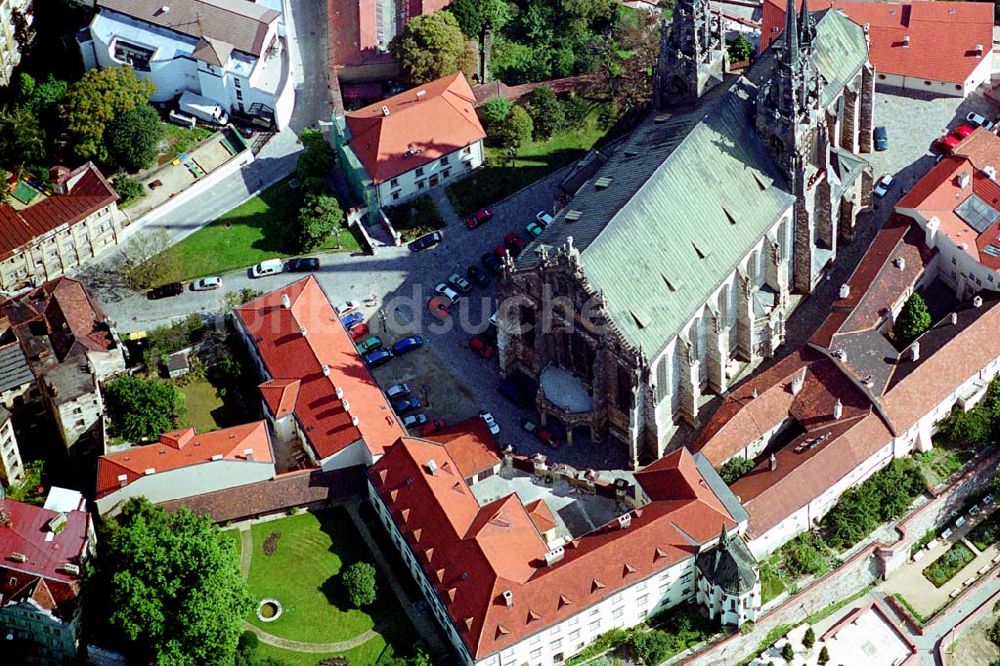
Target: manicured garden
x: 248, y: 234
x: 945, y: 567
x: 415, y: 218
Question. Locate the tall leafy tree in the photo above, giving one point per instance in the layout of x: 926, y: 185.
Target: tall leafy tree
x: 515, y: 129
x: 475, y: 17
x: 319, y: 217
x: 22, y: 139
x: 93, y: 102
x: 913, y: 320
x: 546, y: 112
x: 133, y: 137
x: 171, y: 585
x: 141, y: 409
x: 315, y: 161
x: 432, y: 46
x: 149, y: 260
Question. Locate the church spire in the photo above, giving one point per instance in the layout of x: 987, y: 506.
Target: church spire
x: 807, y: 27
x: 790, y: 53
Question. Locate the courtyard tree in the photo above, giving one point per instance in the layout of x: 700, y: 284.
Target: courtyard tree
x: 140, y: 409
x: 319, y: 217
x: 546, y: 112
x: 515, y: 129
x: 133, y: 138
x: 824, y: 657
x: 973, y: 428
x: 93, y: 102
x: 788, y: 653
x: 734, y: 468
x: 650, y: 647
x: 809, y: 639
x: 432, y: 46
x: 315, y: 162
x: 22, y: 139
x: 913, y: 320
x: 169, y: 584
x: 475, y: 17
x: 493, y: 113
x: 359, y: 584
x: 740, y: 49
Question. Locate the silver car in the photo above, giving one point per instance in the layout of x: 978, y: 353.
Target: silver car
x: 206, y: 284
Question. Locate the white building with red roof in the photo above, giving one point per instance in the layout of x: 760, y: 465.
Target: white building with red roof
x: 944, y: 48
x: 43, y: 556
x: 517, y: 585
x: 184, y: 463
x: 404, y: 145
x: 316, y: 388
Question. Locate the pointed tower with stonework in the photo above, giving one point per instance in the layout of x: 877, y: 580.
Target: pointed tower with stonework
x: 693, y: 55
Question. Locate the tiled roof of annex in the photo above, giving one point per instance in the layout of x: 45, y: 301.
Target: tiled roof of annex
x: 470, y: 444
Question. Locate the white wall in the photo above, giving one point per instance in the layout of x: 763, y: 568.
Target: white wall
x: 418, y: 181
x: 978, y: 76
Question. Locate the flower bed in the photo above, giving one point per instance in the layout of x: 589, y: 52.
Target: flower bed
x: 945, y: 567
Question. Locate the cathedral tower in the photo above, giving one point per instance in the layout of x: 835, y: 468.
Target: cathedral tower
x: 693, y: 55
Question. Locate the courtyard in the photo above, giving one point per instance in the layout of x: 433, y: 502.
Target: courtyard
x: 296, y: 561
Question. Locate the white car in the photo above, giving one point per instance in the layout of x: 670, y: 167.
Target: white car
x: 490, y: 422
x: 346, y: 307
x: 206, y: 283
x: 459, y: 283
x: 543, y: 218
x: 444, y: 289
x: 883, y: 186
x: 977, y: 119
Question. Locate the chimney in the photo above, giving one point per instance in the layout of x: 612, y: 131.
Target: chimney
x: 385, y: 111
x: 900, y: 263
x: 774, y: 462
x: 326, y: 372
x: 845, y: 290
x: 248, y: 454
x: 339, y: 392
x: 625, y: 521
x: 165, y: 9
x: 421, y: 94
x: 838, y: 409
x: 977, y: 301
x: 979, y: 50
x: 355, y: 421
x: 432, y: 467
x: 906, y: 42
x: 797, y: 384
x: 285, y: 301
x: 508, y: 598
x: 302, y: 330
x: 122, y: 480
x: 953, y: 319
x: 930, y: 231
x: 150, y: 470
x: 915, y: 351
x: 990, y: 171
x: 963, y: 179
x: 347, y: 405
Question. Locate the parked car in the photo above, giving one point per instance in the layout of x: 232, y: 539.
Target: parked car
x: 543, y: 218
x: 439, y: 306
x: 459, y: 283
x: 165, y: 291
x: 346, y: 307
x: 499, y: 252
x: 515, y: 243
x: 444, y: 289
x: 368, y: 344
x: 482, y: 347
x: 353, y: 319
x: 182, y: 119
x: 397, y: 391
x: 478, y: 275
x: 490, y: 422
x: 549, y: 438
x: 426, y: 241
x: 881, y: 137
x: 479, y: 218
x: 948, y: 142
x: 302, y: 265
x: 267, y: 267
x: 414, y: 420
x: 206, y: 284
x: 977, y: 119
x: 491, y: 262
x: 377, y: 357
x: 358, y: 331
x: 407, y: 345
x: 406, y: 405
x: 437, y: 425
x: 963, y: 131
x: 883, y: 185
x: 534, y: 229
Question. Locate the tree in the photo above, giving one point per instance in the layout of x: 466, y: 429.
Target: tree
x: 319, y: 217
x: 803, y: 555
x: 809, y: 639
x: 996, y: 482
x: 141, y: 409
x: 740, y: 49
x: 626, y: 63
x: 494, y: 112
x: 133, y: 138
x: 475, y: 17
x: 149, y: 260
x: 913, y: 320
x: 171, y: 585
x: 94, y: 101
x: 22, y: 139
x: 129, y: 190
x: 359, y: 583
x: 824, y: 656
x: 973, y: 428
x: 650, y: 647
x: 432, y: 46
x: 735, y: 468
x: 546, y: 112
x: 315, y: 162
x: 37, y: 97
x: 788, y: 653
x: 514, y: 130
x: 246, y: 649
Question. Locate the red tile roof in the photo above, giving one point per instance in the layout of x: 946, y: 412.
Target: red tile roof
x: 940, y: 192
x: 89, y: 193
x: 473, y: 554
x: 423, y: 124
x: 943, y: 35
x: 353, y: 31
x: 470, y: 444
x: 24, y: 530
x: 327, y: 420
x: 183, y: 448
x: 541, y: 516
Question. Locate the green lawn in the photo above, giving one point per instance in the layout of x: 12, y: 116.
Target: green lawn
x: 499, y: 178
x: 303, y: 575
x: 249, y: 234
x: 207, y: 410
x: 363, y: 655
x: 945, y: 567
x: 177, y: 140
x: 772, y: 580
x: 942, y: 461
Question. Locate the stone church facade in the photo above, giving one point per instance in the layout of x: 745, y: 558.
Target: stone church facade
x: 673, y: 266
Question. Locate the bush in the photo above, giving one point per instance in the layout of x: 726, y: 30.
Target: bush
x: 809, y: 639
x: 734, y: 469
x: 359, y: 583
x: 740, y: 49
x: 824, y: 657
x: 129, y: 190
x: 495, y: 111
x: 514, y: 130
x: 804, y: 555
x: 973, y: 428
x: 650, y: 647
x: 993, y: 633
x: 246, y: 649
x: 787, y: 652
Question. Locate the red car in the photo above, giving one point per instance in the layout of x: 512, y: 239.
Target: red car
x: 432, y: 427
x: 359, y: 331
x: 948, y: 142
x: 500, y: 250
x: 439, y: 306
x: 479, y: 345
x: 479, y: 218
x: 549, y: 438
x: 515, y: 243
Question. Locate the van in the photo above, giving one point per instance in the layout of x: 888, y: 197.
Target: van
x: 269, y: 267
